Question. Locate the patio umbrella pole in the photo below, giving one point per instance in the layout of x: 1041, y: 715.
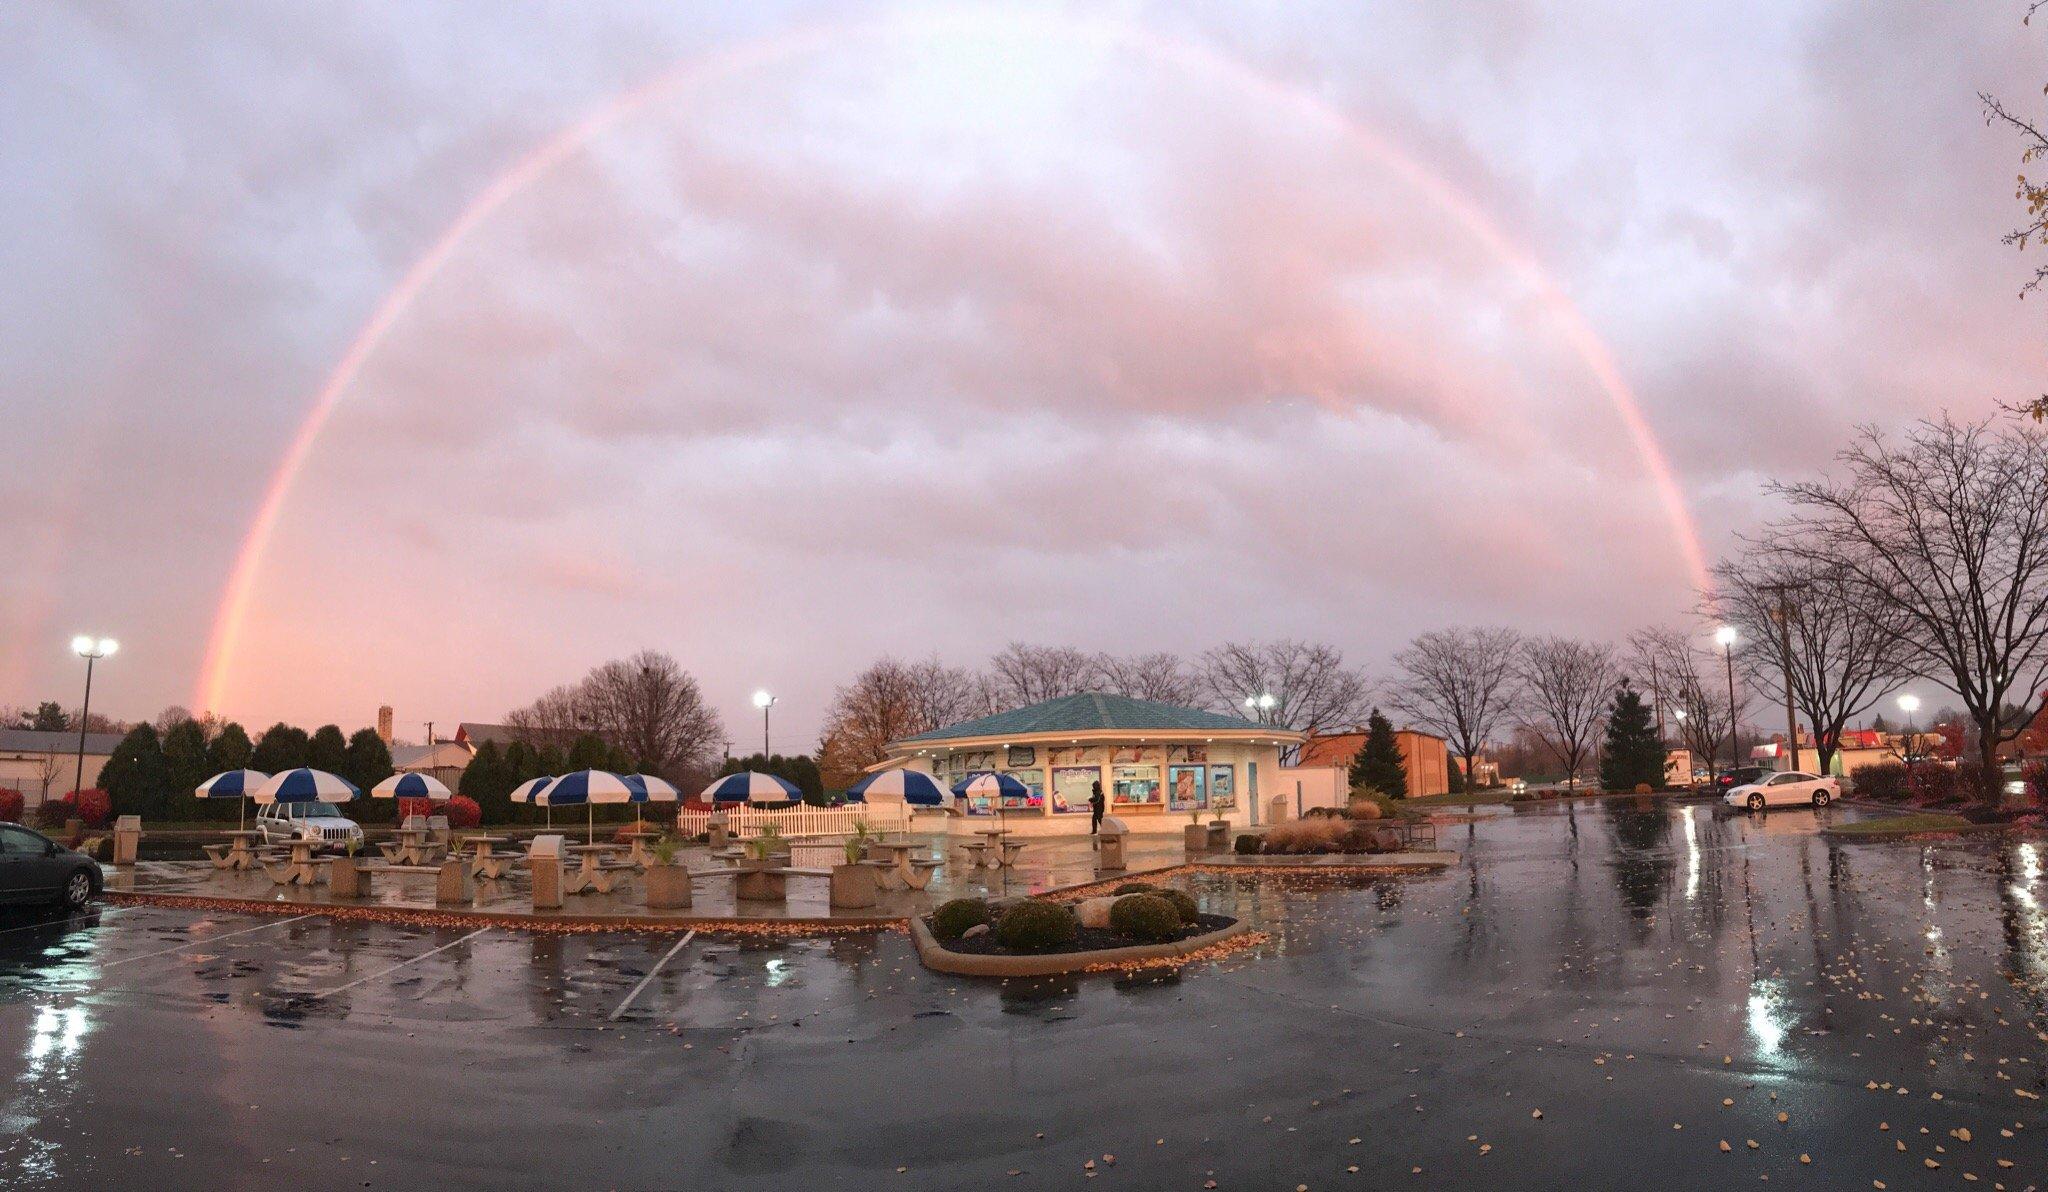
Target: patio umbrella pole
x: 590, y: 824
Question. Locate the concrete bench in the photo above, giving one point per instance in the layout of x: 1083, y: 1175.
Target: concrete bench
x: 919, y: 871
x: 451, y: 879
x: 977, y: 854
x: 219, y: 854
x: 1010, y: 851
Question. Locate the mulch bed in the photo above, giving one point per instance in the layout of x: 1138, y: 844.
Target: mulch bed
x: 1090, y: 939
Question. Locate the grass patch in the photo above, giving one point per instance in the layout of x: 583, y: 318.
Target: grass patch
x: 1474, y: 799
x: 1901, y: 825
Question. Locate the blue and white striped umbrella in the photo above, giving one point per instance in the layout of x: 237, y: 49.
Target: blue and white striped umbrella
x: 411, y: 786
x: 750, y: 786
x: 587, y: 786
x: 306, y: 786
x: 232, y: 784
x: 995, y: 785
x: 914, y: 787
x: 529, y: 791
x: 649, y: 789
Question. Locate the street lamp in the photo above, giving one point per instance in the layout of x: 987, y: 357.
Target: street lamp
x: 764, y: 701
x: 1725, y: 638
x: 1261, y: 705
x: 92, y: 649
x: 1909, y: 704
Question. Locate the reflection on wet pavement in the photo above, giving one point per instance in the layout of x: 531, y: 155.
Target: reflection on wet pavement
x: 1598, y: 993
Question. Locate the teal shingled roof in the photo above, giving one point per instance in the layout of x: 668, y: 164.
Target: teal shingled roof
x: 1087, y: 712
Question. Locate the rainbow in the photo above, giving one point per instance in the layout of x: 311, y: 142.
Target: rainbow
x: 1572, y: 325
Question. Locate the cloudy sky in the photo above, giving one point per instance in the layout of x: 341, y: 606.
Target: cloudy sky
x: 829, y: 333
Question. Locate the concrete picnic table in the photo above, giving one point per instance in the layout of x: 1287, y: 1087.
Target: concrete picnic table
x: 637, y: 840
x: 415, y: 846
x: 483, y: 863
x: 240, y: 854
x: 591, y: 871
x: 1000, y: 850
x: 303, y: 869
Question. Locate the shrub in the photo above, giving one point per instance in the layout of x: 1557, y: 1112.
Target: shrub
x: 1363, y: 809
x: 53, y: 813
x: 1931, y: 782
x: 2035, y: 773
x: 952, y: 919
x: 1136, y: 888
x: 1247, y: 845
x: 93, y: 806
x: 1035, y: 925
x: 1885, y: 781
x: 1146, y: 917
x: 1307, y: 836
x: 11, y: 803
x: 1183, y: 904
x: 463, y: 812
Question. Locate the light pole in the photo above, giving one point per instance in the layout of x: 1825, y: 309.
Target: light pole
x: 1725, y: 638
x: 764, y: 701
x: 92, y: 649
x: 1909, y: 704
x: 1261, y: 706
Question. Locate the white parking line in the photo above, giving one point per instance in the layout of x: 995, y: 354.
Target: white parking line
x: 401, y: 964
x: 690, y: 935
x: 66, y: 921
x: 188, y: 945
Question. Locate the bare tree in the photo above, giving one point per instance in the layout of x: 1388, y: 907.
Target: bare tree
x: 1811, y: 629
x: 1566, y: 686
x: 1692, y: 683
x: 647, y: 705
x: 1158, y: 676
x: 888, y: 701
x: 1025, y: 674
x: 1313, y: 691
x: 1949, y: 528
x: 1460, y: 684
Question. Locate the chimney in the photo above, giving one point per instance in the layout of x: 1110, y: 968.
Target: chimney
x: 384, y: 724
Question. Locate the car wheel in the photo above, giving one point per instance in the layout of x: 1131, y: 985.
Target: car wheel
x: 1821, y: 798
x: 1756, y: 802
x: 77, y: 890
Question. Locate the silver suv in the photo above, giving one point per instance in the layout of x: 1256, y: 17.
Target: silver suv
x: 280, y: 822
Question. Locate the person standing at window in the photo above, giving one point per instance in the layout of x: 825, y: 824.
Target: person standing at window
x: 1095, y: 807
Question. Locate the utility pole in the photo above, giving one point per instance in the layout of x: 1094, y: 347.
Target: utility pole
x: 1783, y: 616
x: 1657, y: 699
x: 430, y: 734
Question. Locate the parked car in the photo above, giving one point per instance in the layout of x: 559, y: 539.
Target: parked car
x: 1728, y: 780
x: 1791, y: 788
x: 35, y: 868
x: 280, y: 822
x: 1517, y: 786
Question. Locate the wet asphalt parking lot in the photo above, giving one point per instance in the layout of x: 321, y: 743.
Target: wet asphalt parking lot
x: 1652, y: 981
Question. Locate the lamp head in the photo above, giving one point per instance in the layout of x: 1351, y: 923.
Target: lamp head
x: 87, y: 646
x: 762, y: 699
x: 1724, y: 636
x: 1909, y: 703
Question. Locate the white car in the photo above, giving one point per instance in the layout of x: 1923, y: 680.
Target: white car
x: 1791, y: 788
x: 280, y: 822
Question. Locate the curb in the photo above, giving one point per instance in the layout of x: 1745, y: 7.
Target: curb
x: 941, y: 959
x: 540, y: 925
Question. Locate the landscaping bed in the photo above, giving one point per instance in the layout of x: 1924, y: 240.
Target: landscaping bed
x: 1143, y: 926
x: 1087, y: 939
x: 1916, y: 824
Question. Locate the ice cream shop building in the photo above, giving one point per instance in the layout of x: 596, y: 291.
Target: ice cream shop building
x: 1152, y: 759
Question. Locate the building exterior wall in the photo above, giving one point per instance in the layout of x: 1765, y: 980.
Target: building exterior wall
x: 1428, y: 761
x: 1151, y: 784
x: 25, y: 772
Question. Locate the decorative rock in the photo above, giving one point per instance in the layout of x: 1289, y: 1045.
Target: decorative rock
x: 979, y: 929
x: 1094, y: 912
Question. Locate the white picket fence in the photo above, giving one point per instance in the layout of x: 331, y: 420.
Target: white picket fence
x: 801, y: 820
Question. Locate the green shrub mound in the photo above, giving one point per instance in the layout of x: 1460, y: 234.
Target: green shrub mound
x: 1183, y: 903
x: 1035, y: 925
x: 1135, y: 888
x: 1148, y: 918
x: 952, y: 919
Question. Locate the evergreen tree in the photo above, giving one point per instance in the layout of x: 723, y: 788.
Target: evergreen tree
x: 281, y: 748
x: 189, y: 763
x: 136, y: 776
x: 1632, y: 755
x: 328, y: 749
x: 520, y: 762
x: 489, y: 778
x: 1378, y: 764
x: 50, y: 717
x: 588, y: 753
x: 229, y: 749
x: 366, y: 761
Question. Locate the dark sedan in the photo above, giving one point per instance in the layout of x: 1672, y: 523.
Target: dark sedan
x: 36, y: 869
x: 1728, y: 780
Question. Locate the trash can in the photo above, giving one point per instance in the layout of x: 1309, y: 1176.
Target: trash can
x: 127, y: 839
x: 719, y: 832
x: 1109, y: 843
x: 545, y: 861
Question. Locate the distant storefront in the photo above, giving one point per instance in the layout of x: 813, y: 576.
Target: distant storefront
x: 1150, y: 758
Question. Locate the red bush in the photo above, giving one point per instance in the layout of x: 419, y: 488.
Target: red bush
x: 11, y: 802
x: 52, y: 813
x: 407, y: 808
x: 2036, y: 774
x: 94, y: 806
x: 462, y: 812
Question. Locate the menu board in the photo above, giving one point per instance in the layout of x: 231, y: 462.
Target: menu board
x: 1136, y: 785
x: 1187, y: 786
x: 1071, y: 786
x: 1222, y: 788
